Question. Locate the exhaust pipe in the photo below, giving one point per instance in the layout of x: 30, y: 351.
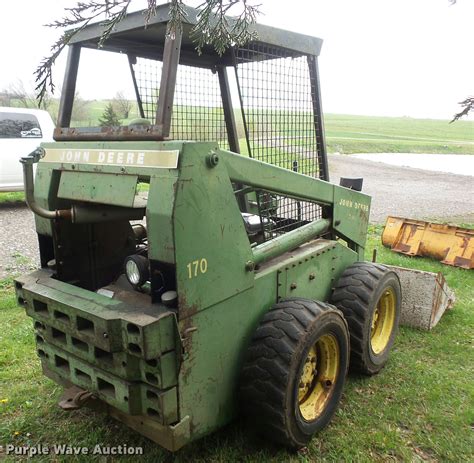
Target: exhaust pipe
x: 76, y: 214
x: 28, y: 162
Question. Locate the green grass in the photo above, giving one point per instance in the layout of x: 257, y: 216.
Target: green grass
x: 12, y: 198
x: 357, y: 134
x: 418, y: 408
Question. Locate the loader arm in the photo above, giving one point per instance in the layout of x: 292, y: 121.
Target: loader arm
x: 348, y: 209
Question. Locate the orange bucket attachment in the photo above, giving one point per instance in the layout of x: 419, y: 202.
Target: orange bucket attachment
x: 449, y: 244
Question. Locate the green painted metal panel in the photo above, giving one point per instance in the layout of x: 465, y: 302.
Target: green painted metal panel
x: 45, y: 196
x: 259, y: 174
x: 351, y: 214
x: 312, y: 270
x: 161, y: 200
x: 215, y: 348
x: 212, y: 246
x: 111, y: 189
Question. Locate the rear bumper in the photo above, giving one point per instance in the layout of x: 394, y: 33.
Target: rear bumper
x: 126, y: 355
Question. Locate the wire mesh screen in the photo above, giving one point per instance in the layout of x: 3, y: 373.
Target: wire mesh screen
x: 276, y: 94
x: 280, y: 214
x: 148, y: 77
x: 274, y: 215
x: 197, y: 109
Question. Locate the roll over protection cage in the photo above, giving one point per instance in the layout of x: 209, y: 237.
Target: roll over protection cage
x: 277, y: 82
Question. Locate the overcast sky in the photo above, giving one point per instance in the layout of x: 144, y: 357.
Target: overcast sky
x: 380, y: 57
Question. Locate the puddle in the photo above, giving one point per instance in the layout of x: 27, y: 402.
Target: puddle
x: 461, y: 164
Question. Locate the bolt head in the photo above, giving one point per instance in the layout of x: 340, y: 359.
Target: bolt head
x: 249, y: 266
x: 213, y: 159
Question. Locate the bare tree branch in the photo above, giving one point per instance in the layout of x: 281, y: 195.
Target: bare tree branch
x: 122, y: 104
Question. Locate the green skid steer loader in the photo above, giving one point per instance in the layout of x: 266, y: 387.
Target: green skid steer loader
x: 197, y: 263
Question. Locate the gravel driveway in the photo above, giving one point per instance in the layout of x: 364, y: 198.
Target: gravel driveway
x: 408, y: 192
x: 395, y: 190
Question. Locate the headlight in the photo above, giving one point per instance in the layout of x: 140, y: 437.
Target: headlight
x: 136, y: 270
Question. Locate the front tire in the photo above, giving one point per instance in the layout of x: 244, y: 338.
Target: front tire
x: 369, y: 296
x: 295, y: 370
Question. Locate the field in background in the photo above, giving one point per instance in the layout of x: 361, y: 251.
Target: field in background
x: 419, y: 408
x: 367, y: 134
x: 348, y: 134
x: 345, y: 134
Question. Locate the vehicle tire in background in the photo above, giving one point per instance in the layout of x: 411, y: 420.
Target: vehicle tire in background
x: 294, y: 371
x: 369, y: 295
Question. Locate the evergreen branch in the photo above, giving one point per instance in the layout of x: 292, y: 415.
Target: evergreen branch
x: 216, y: 29
x: 212, y: 29
x: 150, y: 11
x: 177, y: 17
x: 80, y: 15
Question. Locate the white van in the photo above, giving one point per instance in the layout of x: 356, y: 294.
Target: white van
x: 21, y: 131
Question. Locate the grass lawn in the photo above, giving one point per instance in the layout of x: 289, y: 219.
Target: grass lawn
x: 369, y: 134
x: 419, y: 408
x: 12, y: 198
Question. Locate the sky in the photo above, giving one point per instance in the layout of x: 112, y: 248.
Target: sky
x: 409, y: 58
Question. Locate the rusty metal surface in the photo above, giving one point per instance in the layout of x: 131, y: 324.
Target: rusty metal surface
x: 449, y: 244
x: 74, y: 398
x: 123, y: 133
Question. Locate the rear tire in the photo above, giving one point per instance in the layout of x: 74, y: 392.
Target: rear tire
x: 369, y: 295
x: 295, y: 370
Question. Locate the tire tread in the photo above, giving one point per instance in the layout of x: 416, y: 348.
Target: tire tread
x: 352, y: 296
x: 267, y: 364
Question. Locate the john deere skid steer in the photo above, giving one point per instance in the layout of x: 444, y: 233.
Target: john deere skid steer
x: 194, y: 264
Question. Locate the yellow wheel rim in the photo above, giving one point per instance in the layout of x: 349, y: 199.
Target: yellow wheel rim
x: 383, y: 321
x: 318, y: 378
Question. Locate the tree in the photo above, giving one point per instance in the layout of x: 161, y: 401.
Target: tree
x: 213, y: 27
x: 80, y: 108
x: 109, y: 117
x: 122, y: 104
x: 25, y: 98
